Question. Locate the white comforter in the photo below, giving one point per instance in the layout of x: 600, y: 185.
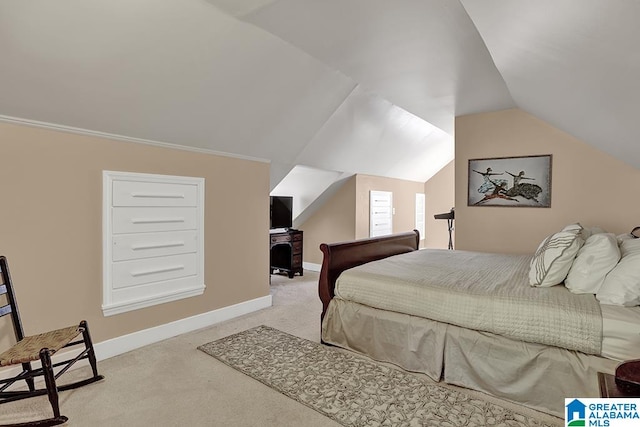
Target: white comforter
x: 486, y: 292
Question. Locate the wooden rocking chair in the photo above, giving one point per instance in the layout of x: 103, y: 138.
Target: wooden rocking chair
x: 41, y: 347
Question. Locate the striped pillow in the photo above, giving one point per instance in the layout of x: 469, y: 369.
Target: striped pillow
x: 554, y: 257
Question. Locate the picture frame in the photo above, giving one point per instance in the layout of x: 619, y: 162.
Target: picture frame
x: 523, y: 181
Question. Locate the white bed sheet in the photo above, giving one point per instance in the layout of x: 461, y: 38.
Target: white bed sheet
x: 620, y: 332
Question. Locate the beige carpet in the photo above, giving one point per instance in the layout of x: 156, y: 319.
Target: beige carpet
x: 351, y: 389
x: 171, y: 383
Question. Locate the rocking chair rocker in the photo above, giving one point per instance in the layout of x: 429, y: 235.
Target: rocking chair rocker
x: 40, y: 348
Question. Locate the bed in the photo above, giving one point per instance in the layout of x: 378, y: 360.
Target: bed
x: 481, y: 326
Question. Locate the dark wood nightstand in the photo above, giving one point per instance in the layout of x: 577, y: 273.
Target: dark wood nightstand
x: 609, y: 388
x: 286, y: 252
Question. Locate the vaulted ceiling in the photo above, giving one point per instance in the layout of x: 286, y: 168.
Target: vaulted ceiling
x: 346, y: 86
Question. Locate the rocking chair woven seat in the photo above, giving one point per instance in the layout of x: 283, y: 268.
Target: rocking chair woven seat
x: 40, y: 348
x: 28, y: 349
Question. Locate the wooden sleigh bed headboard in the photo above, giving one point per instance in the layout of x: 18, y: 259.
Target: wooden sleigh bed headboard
x: 339, y: 257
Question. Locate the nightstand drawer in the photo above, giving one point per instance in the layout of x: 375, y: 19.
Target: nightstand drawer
x: 280, y: 238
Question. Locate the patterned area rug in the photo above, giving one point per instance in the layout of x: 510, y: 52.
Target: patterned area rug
x: 350, y: 389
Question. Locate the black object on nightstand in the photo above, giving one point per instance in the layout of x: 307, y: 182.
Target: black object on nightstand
x: 609, y: 387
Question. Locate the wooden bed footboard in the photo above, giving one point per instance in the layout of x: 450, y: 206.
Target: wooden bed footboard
x: 339, y: 257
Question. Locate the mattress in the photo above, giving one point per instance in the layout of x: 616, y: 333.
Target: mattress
x: 620, y: 332
x: 482, y: 291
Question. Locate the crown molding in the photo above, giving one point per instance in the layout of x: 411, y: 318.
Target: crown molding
x: 106, y: 135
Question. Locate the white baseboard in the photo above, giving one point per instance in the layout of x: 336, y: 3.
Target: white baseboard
x: 129, y: 342
x: 125, y: 343
x: 311, y: 266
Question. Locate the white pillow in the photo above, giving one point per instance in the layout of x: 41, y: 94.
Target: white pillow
x: 598, y: 256
x: 622, y: 284
x: 590, y: 231
x: 625, y: 236
x: 554, y: 256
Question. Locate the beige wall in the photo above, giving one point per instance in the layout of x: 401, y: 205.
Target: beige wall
x: 346, y: 215
x: 440, y: 198
x: 333, y: 222
x: 404, y: 202
x: 51, y: 225
x: 588, y: 186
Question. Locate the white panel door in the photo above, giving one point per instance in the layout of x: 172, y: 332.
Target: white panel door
x: 420, y: 214
x: 380, y: 213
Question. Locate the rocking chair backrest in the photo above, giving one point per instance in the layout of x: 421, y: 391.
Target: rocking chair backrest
x: 40, y: 347
x: 6, y: 287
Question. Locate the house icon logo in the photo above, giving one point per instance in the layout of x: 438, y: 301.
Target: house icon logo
x: 575, y: 415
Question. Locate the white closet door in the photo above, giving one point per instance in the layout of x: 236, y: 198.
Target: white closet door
x: 420, y: 214
x: 380, y: 213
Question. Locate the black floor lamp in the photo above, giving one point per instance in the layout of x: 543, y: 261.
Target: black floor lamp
x: 449, y: 216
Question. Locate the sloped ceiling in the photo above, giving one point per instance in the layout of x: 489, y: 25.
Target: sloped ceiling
x: 425, y: 56
x: 348, y: 86
x: 572, y: 63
